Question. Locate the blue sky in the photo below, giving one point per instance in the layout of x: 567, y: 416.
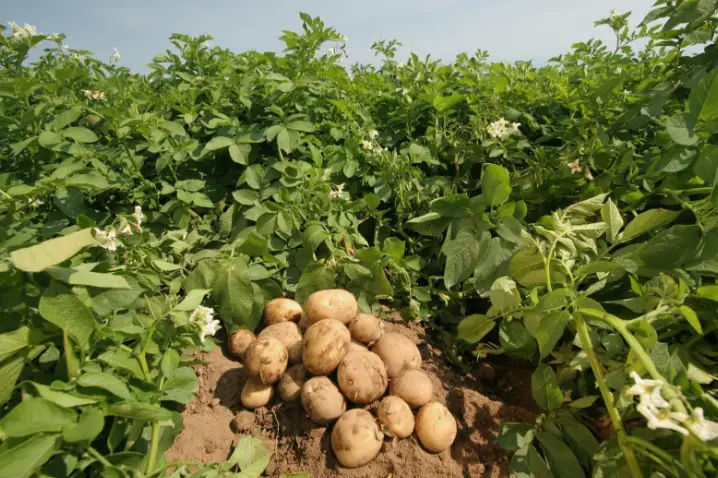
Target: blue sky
x: 510, y: 29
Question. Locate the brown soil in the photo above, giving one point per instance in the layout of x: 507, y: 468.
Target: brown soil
x: 480, y: 407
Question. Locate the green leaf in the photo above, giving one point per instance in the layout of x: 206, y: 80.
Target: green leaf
x: 48, y: 139
x: 63, y: 399
x: 304, y: 126
x: 165, y: 266
x: 88, y: 427
x: 516, y: 340
x: 584, y: 402
x: 580, y: 439
x: 251, y: 456
x: 612, y: 217
x: 232, y: 291
x: 36, y: 415
x: 394, y: 247
x: 706, y: 165
x: 246, y: 197
x: 170, y: 361
x: 202, y: 277
x: 678, y: 130
x: 474, y: 328
x: 92, y: 279
x: 547, y: 329
x: 561, y: 460
x: 313, y: 236
x: 87, y: 181
x: 646, y: 222
x: 513, y: 436
x: 692, y: 318
x: 182, y: 386
x: 51, y: 252
x: 316, y: 276
x: 9, y: 373
x: 139, y: 411
x: 64, y: 309
x: 122, y: 359
x: 105, y: 381
x: 80, y: 134
x: 671, y: 248
x: 709, y: 292
x: 504, y: 296
x: 106, y: 302
x: 431, y: 224
x: 527, y: 463
x: 462, y: 250
x: 18, y: 339
x: 218, y: 142
x: 66, y: 118
x: 545, y: 389
x: 491, y: 255
x: 495, y: 184
x: 379, y: 285
x: 703, y: 100
x: 598, y: 266
x: 253, y: 176
x: 25, y: 459
x: 240, y: 153
x: 444, y: 104
x: 202, y: 200
x: 193, y: 300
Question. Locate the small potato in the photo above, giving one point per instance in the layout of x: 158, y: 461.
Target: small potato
x: 256, y: 394
x: 366, y: 328
x: 322, y: 400
x: 435, y: 427
x: 291, y: 337
x: 413, y: 386
x: 324, y: 346
x: 290, y: 385
x: 362, y: 377
x: 396, y: 417
x: 337, y: 304
x: 239, y: 342
x: 397, y: 352
x: 356, y: 438
x: 282, y: 310
x: 266, y: 360
x: 355, y: 346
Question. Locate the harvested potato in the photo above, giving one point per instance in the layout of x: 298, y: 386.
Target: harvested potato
x: 324, y: 346
x: 366, y: 328
x: 362, y: 377
x: 397, y: 352
x: 396, y: 417
x: 355, y: 346
x: 304, y: 322
x: 256, y: 394
x: 239, y: 342
x: 356, y: 438
x: 337, y: 304
x: 291, y: 337
x: 290, y: 385
x: 322, y: 400
x: 266, y: 360
x: 435, y: 427
x: 413, y: 386
x: 282, y: 310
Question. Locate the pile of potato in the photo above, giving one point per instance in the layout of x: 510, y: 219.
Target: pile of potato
x: 342, y: 356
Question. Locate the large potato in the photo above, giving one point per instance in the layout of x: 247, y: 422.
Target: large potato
x: 397, y: 352
x: 266, y: 360
x: 362, y: 377
x: 435, y: 427
x: 324, y: 346
x: 239, y: 342
x: 396, y: 417
x: 256, y: 394
x: 355, y: 346
x: 290, y: 385
x: 366, y: 328
x: 282, y: 310
x: 413, y: 386
x: 337, y: 304
x: 322, y: 400
x: 291, y: 337
x: 356, y: 438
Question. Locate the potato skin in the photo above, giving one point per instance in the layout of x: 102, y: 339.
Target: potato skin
x: 397, y: 352
x: 266, y: 360
x: 282, y: 310
x: 290, y: 385
x: 239, y: 341
x: 396, y: 417
x: 322, y: 400
x: 324, y: 346
x: 362, y: 377
x: 291, y: 337
x: 366, y: 328
x: 413, y: 386
x: 435, y: 427
x: 255, y: 394
x: 337, y: 304
x: 356, y: 438
x: 355, y: 346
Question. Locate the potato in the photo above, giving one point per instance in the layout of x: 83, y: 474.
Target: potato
x: 239, y: 342
x: 324, y: 346
x: 362, y: 377
x: 396, y: 417
x: 413, y: 386
x: 291, y: 337
x: 355, y: 346
x: 337, y: 304
x: 256, y: 394
x: 266, y: 360
x: 322, y: 400
x: 282, y: 310
x: 304, y: 322
x: 290, y: 385
x: 366, y: 328
x: 356, y: 438
x: 435, y: 427
x: 397, y: 352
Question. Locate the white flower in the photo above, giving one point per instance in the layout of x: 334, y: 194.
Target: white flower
x: 34, y: 203
x: 66, y: 47
x: 704, y: 429
x: 30, y: 29
x: 501, y: 128
x: 574, y: 167
x: 599, y: 101
x: 330, y: 52
x: 587, y: 174
x: 343, y: 38
x: 17, y: 31
x: 340, y: 59
x: 115, y: 55
x: 201, y: 314
x: 126, y: 231
x: 515, y: 127
x: 138, y: 215
x: 335, y: 195
x: 107, y: 239
x: 209, y: 328
x: 662, y: 419
x: 613, y: 12
x: 92, y: 94
x: 367, y: 145
x: 373, y: 133
x: 626, y: 92
x: 648, y: 391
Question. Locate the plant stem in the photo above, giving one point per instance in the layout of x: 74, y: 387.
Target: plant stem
x: 142, y: 358
x: 582, y: 329
x: 96, y: 454
x: 154, y: 444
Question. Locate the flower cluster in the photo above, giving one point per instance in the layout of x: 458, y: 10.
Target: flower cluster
x: 659, y: 413
x: 502, y: 128
x: 204, y: 317
x: 34, y: 203
x: 93, y: 95
x: 19, y: 33
x: 107, y: 239
x: 575, y: 167
x: 338, y: 193
x: 372, y: 145
x: 115, y: 55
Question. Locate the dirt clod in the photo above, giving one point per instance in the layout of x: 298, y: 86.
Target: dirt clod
x: 244, y: 420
